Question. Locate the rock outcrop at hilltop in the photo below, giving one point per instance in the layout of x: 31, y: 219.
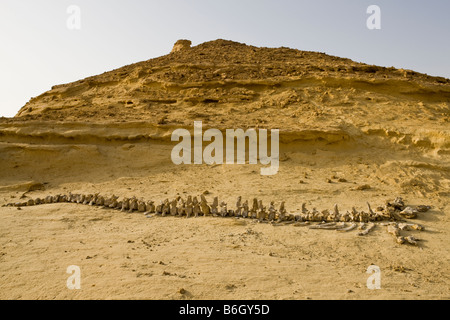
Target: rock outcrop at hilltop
x: 181, y: 45
x: 224, y: 82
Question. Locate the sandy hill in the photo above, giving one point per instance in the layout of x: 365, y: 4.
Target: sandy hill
x: 225, y: 82
x: 351, y: 133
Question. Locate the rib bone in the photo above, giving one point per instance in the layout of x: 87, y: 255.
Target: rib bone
x: 370, y: 227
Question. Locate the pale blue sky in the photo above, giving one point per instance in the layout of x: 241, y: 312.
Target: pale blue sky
x: 37, y: 50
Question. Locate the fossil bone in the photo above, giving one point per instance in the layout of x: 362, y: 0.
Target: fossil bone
x: 166, y: 208
x: 215, y: 207
x: 272, y: 212
x: 261, y: 211
x: 326, y: 220
x: 409, y: 226
x: 394, y: 229
x: 196, y: 209
x: 409, y: 213
x: 238, y: 211
x: 245, y: 209
x: 133, y: 205
x: 142, y: 206
x: 423, y: 208
x: 369, y: 228
x: 205, y: 209
x: 223, y: 209
x: 189, y: 207
x: 349, y: 228
x: 174, y: 207
x: 282, y: 212
x: 397, y: 204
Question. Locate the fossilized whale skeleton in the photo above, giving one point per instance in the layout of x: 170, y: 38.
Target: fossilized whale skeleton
x: 392, y: 214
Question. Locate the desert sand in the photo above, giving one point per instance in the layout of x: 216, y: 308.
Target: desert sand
x: 343, y: 125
